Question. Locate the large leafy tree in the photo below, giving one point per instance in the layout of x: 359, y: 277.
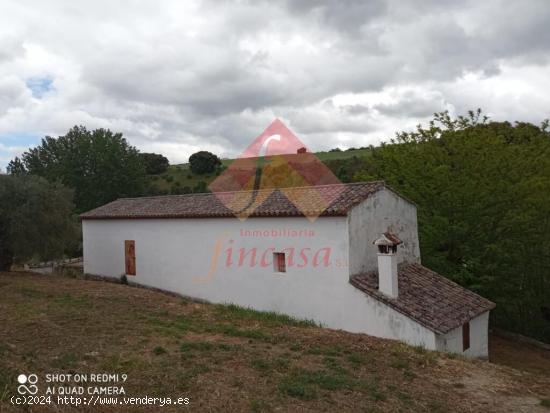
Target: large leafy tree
x: 99, y: 165
x: 35, y: 219
x: 483, y: 195
x: 155, y: 163
x: 204, y: 162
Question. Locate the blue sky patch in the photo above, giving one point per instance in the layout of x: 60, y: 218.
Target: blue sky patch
x: 15, y: 140
x: 39, y: 86
x: 20, y: 139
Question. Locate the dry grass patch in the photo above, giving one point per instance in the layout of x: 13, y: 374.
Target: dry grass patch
x: 228, y: 358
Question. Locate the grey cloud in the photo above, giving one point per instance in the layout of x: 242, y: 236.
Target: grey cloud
x: 347, y: 16
x: 13, y: 93
x: 10, y: 48
x: 413, y: 105
x: 181, y: 75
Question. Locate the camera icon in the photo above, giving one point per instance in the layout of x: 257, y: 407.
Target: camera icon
x: 31, y: 380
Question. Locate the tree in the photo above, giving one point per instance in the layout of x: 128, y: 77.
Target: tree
x: 155, y: 163
x: 204, y: 162
x: 99, y: 165
x: 16, y: 167
x: 35, y: 219
x: 483, y: 195
x: 201, y: 187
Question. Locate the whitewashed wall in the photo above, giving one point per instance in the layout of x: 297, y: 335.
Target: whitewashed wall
x: 177, y: 255
x: 379, y: 213
x: 479, y: 339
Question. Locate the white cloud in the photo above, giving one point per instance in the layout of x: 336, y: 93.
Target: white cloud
x: 176, y: 77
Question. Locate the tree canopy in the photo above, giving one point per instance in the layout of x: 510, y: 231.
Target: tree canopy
x: 154, y: 163
x: 35, y: 219
x: 204, y: 162
x: 99, y: 165
x: 483, y: 195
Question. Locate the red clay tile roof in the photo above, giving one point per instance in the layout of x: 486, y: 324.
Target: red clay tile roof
x: 388, y: 237
x: 428, y: 298
x: 313, y: 201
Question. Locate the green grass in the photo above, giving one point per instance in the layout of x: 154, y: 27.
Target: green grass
x: 177, y: 326
x: 296, y: 387
x: 29, y: 292
x: 69, y: 301
x: 331, y: 350
x: 6, y: 383
x: 181, y: 176
x: 178, y: 176
x: 268, y: 366
x: 306, y: 384
x: 400, y: 364
x: 232, y: 312
x: 545, y: 403
x: 171, y: 326
x: 357, y: 358
x: 159, y: 350
x: 329, y: 156
x: 254, y: 334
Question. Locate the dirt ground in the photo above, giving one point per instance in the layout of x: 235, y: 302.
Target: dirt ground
x: 225, y: 358
x: 519, y: 355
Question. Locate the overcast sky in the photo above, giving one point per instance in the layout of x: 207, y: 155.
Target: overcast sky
x: 179, y: 76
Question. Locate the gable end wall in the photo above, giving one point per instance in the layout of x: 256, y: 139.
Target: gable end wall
x: 383, y: 211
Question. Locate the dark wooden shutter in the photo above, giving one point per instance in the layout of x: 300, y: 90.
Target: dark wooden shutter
x: 130, y: 257
x: 465, y: 336
x: 280, y: 262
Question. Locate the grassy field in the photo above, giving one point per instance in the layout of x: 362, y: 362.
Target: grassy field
x: 177, y: 177
x: 226, y: 358
x: 329, y: 156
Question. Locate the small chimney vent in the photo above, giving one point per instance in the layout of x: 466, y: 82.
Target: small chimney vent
x: 387, y: 264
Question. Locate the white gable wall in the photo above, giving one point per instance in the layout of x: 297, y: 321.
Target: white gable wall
x: 177, y: 255
x: 381, y: 212
x: 479, y: 338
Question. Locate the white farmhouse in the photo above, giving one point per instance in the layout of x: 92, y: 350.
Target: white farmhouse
x: 356, y: 267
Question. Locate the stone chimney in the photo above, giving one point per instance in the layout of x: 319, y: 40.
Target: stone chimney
x: 387, y: 264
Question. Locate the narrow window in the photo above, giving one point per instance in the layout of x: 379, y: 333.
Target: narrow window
x: 465, y: 336
x: 279, y: 262
x: 130, y: 257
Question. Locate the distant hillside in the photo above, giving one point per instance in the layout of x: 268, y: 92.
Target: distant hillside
x: 179, y: 179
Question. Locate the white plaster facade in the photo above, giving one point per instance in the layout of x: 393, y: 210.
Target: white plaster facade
x: 479, y: 338
x: 190, y: 257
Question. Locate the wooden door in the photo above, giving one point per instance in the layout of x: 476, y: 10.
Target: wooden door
x: 465, y: 336
x: 130, y: 257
